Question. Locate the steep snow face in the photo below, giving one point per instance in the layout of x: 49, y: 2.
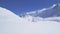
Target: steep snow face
x: 46, y: 12
x: 10, y: 23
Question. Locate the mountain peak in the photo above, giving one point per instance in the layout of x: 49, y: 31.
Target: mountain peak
x: 58, y: 4
x: 55, y: 5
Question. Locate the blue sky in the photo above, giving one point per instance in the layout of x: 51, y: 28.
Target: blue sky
x: 21, y: 6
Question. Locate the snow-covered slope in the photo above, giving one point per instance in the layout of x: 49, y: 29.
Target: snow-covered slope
x: 10, y: 23
x: 7, y: 16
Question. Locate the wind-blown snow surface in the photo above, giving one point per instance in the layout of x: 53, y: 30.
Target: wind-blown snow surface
x: 10, y: 23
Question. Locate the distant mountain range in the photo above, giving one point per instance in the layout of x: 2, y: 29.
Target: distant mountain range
x: 53, y: 11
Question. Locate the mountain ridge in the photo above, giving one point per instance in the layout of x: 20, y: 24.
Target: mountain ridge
x: 52, y: 11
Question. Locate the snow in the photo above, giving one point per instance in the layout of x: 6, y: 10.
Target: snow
x: 10, y: 23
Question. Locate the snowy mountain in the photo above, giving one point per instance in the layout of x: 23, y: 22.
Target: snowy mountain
x: 53, y: 11
x: 10, y: 23
x: 50, y: 14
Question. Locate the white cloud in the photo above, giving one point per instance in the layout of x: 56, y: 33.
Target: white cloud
x: 10, y: 23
